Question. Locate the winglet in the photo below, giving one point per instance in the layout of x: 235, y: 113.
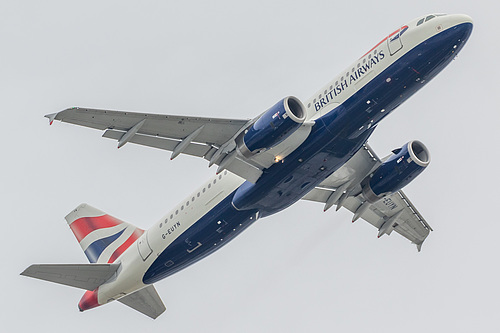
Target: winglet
x: 51, y: 117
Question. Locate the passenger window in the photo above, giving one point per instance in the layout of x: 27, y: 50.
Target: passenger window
x: 171, y: 216
x: 182, y: 207
x: 187, y: 203
x: 209, y: 185
x: 319, y: 96
x: 203, y: 190
x: 309, y: 105
x: 176, y: 212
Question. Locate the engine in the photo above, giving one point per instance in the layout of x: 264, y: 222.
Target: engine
x: 397, y: 172
x: 273, y: 126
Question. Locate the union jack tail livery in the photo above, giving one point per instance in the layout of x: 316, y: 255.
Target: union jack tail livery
x: 102, y: 237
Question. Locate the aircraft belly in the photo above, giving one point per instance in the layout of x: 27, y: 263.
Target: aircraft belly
x: 350, y: 124
x: 334, y: 139
x: 213, y: 230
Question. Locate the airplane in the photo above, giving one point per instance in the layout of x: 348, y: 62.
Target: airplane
x: 315, y: 151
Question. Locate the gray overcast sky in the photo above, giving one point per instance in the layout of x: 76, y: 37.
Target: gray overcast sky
x: 300, y: 270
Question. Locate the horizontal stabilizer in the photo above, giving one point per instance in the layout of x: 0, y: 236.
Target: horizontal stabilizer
x: 84, y: 276
x: 146, y: 301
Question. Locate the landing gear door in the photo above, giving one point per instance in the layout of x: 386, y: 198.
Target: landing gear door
x: 394, y: 42
x: 143, y: 246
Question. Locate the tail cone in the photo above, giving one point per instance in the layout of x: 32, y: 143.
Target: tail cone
x: 88, y: 301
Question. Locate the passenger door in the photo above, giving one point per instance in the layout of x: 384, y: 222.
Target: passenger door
x: 144, y: 247
x: 394, y: 42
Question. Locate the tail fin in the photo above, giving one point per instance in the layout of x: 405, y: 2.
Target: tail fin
x: 102, y: 237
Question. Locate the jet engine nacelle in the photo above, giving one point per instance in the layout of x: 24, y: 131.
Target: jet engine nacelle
x: 395, y: 173
x: 274, y: 126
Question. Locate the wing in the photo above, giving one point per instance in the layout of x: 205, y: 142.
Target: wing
x: 394, y: 212
x: 216, y: 131
x: 214, y: 139
x: 210, y: 138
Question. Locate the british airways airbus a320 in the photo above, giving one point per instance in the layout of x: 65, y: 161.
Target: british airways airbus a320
x: 314, y: 151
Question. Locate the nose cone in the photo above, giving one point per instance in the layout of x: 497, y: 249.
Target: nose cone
x: 88, y: 301
x: 461, y: 18
x: 462, y: 25
x: 454, y: 32
x: 463, y: 29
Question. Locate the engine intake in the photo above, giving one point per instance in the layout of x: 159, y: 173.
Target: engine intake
x: 397, y: 172
x: 274, y: 126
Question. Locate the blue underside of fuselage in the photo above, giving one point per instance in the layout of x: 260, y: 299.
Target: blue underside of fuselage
x: 333, y: 140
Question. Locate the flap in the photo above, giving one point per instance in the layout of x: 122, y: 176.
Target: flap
x: 194, y: 149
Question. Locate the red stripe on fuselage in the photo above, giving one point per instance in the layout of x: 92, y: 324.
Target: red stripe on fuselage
x: 383, y: 40
x: 137, y: 233
x: 85, y: 225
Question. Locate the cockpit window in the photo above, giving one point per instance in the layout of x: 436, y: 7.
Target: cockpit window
x: 430, y: 17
